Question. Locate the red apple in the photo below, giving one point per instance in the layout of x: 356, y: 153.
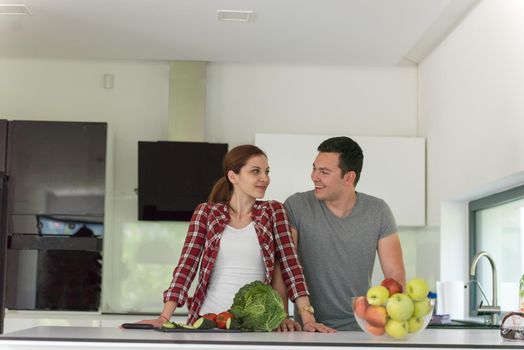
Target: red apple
x: 376, y: 316
x: 360, y: 305
x: 375, y: 330
x: 392, y: 285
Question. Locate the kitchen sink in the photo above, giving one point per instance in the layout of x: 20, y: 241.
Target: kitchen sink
x: 473, y: 323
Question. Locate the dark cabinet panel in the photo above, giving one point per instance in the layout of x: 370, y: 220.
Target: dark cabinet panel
x: 56, y: 168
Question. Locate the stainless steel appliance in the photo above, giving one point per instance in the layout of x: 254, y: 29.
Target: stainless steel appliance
x: 54, y: 174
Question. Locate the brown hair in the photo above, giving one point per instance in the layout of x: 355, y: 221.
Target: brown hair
x: 234, y: 160
x: 350, y: 156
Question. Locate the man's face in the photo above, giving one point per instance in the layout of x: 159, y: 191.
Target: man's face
x: 327, y: 177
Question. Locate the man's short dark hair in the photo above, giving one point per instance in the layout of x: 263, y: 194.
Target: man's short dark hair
x: 350, y: 154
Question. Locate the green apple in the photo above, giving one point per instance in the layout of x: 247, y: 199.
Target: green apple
x: 400, y: 307
x: 422, y: 308
x: 418, y: 289
x: 397, y: 329
x: 377, y: 295
x: 415, y: 324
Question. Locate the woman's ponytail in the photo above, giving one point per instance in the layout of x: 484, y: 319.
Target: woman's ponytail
x: 221, y: 191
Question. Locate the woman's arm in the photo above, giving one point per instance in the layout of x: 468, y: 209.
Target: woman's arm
x: 308, y: 319
x: 286, y: 254
x: 279, y: 285
x: 278, y: 281
x: 165, y: 315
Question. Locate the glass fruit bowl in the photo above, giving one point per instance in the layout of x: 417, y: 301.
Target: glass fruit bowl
x: 398, y: 317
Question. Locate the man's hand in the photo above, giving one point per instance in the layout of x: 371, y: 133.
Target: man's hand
x: 289, y: 325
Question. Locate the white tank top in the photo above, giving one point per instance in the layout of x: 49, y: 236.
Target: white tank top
x: 239, y: 261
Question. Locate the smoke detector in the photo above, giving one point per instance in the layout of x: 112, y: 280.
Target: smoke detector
x: 14, y: 9
x: 235, y: 16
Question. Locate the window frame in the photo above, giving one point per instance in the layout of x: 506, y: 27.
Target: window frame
x: 491, y: 201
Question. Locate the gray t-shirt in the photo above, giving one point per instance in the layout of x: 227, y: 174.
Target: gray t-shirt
x: 338, y: 254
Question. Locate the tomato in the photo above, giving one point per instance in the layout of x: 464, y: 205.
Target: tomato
x: 211, y: 317
x: 222, y: 318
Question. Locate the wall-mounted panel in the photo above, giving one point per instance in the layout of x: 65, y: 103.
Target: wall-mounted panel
x: 394, y: 170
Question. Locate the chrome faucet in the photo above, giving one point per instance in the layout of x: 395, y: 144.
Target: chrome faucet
x: 491, y: 310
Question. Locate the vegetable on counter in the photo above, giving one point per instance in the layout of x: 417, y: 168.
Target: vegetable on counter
x: 204, y: 323
x: 258, y: 307
x: 222, y: 319
x: 173, y: 325
x: 212, y: 317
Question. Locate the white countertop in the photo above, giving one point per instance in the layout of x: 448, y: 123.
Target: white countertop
x: 83, y: 337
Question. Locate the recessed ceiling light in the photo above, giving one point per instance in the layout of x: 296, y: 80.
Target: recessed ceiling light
x: 14, y: 9
x: 235, y: 16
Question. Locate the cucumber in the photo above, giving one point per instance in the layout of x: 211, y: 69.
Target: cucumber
x: 232, y: 323
x: 185, y: 326
x: 169, y: 324
x: 204, y: 323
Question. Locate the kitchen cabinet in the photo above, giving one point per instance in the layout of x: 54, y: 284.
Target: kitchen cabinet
x: 394, y: 169
x: 111, y: 338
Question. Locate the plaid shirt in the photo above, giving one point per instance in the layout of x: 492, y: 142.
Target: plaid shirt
x: 203, y: 241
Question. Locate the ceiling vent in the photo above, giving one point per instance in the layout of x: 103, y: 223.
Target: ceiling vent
x: 235, y: 16
x: 14, y: 9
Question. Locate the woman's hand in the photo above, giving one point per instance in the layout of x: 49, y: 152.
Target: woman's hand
x: 156, y: 322
x: 311, y: 325
x: 289, y: 325
x: 318, y: 327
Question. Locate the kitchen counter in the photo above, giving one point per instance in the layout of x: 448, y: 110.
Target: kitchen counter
x: 111, y: 338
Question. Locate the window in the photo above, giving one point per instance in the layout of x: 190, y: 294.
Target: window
x: 497, y: 227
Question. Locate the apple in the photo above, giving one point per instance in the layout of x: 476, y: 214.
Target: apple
x: 375, y: 330
x: 392, y: 285
x: 377, y: 295
x: 400, y: 307
x: 360, y: 305
x: 376, y: 316
x: 415, y: 324
x: 422, y: 308
x: 397, y: 329
x: 417, y: 289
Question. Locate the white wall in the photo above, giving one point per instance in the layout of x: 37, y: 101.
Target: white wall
x: 472, y: 110
x: 72, y: 90
x: 244, y: 99
x: 471, y: 103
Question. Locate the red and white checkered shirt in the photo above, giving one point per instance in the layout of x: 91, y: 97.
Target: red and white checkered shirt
x: 202, y: 243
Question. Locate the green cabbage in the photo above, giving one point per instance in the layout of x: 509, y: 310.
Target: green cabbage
x: 258, y: 307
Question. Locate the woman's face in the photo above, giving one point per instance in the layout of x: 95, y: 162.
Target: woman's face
x: 253, y: 178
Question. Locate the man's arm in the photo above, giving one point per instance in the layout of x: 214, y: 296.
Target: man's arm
x: 391, y: 260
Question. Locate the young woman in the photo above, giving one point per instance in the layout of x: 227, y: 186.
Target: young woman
x: 236, y: 239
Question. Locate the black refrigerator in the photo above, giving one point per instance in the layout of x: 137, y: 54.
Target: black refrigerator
x: 52, y: 190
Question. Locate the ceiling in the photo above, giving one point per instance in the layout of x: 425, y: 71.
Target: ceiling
x: 347, y: 32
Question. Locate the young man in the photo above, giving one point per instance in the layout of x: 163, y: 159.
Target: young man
x: 339, y: 232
